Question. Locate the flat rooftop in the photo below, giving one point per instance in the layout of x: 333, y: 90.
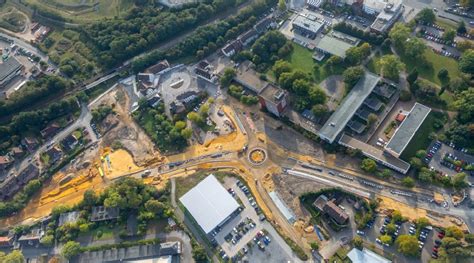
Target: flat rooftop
x: 9, y: 67
x: 407, y: 129
x: 348, y: 107
x: 336, y: 43
x: 365, y: 255
x: 249, y: 78
x: 209, y: 203
x: 375, y: 153
x: 308, y: 24
x: 272, y: 93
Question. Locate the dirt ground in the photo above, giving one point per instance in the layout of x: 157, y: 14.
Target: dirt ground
x: 132, y: 137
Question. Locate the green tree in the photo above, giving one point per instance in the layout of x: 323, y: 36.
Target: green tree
x: 199, y: 254
x: 196, y: 118
x: 461, y: 27
x: 71, y: 249
x: 352, y: 75
x: 455, y: 232
x: 415, y: 48
x: 426, y: 16
x: 319, y: 110
x: 282, y: 5
x: 155, y: 206
x: 227, y: 76
x: 469, y: 238
x: 358, y: 242
x: 425, y: 175
x: 422, y: 222
x: 466, y: 63
x: 390, y: 66
x: 459, y: 180
x: 408, y: 182
x: 413, y: 76
x: 397, y: 216
x: 385, y: 173
x: 314, y: 246
x: 281, y: 66
x: 47, y: 240
x: 368, y: 165
x: 13, y: 257
x: 391, y: 228
x: 420, y: 154
x: 372, y: 118
x: 408, y: 245
x: 443, y: 76
x: 449, y: 35
x: 187, y: 133
x: 399, y: 34
x: 386, y: 239
x: 317, y: 95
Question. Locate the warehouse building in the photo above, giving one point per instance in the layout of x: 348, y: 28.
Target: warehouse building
x: 209, y: 204
x: 9, y: 69
x: 306, y: 27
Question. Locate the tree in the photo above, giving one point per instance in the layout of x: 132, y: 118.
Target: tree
x: 227, y: 76
x: 399, y: 34
x: 196, y: 118
x: 422, y: 222
x: 314, y: 246
x: 397, y: 216
x: 13, y: 257
x: 414, y: 48
x: 426, y: 16
x: 449, y: 35
x: 461, y: 28
x: 391, y: 228
x: 459, y: 180
x: 408, y: 182
x: 319, y: 110
x: 281, y: 66
x: 455, y: 232
x: 466, y: 63
x: 187, y: 133
x: 368, y: 165
x: 199, y: 254
x: 355, y: 55
x: 317, y: 95
x: 385, y: 173
x: 155, y: 206
x: 47, y: 240
x: 408, y: 245
x: 469, y: 238
x: 443, y: 76
x: 390, y: 66
x: 372, y: 118
x: 352, y: 75
x: 358, y: 242
x: 413, y: 76
x: 71, y: 249
x: 90, y: 198
x: 332, y: 63
x: 282, y: 5
x: 386, y: 239
x: 425, y: 175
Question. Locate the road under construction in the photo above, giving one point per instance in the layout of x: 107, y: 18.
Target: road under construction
x: 225, y: 153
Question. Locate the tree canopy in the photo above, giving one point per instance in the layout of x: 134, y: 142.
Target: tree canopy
x: 408, y: 245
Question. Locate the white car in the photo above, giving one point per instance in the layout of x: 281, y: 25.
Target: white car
x: 361, y: 233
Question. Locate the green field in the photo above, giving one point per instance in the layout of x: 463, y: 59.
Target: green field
x: 12, y: 19
x: 81, y: 11
x: 302, y: 58
x: 438, y: 62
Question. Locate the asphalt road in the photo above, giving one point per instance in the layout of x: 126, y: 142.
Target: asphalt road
x: 440, y: 5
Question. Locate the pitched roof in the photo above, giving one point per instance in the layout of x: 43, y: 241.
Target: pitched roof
x: 9, y: 67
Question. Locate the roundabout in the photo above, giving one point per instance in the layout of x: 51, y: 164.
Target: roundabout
x: 257, y: 156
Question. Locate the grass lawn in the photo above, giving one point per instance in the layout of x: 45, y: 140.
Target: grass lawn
x: 438, y: 62
x: 446, y: 24
x: 83, y: 11
x: 302, y: 58
x: 107, y: 233
x: 421, y: 139
x: 340, y: 256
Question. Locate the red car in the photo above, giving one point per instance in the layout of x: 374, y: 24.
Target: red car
x: 435, y: 249
x: 441, y: 235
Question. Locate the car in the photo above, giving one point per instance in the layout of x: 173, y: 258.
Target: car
x: 434, y: 255
x: 361, y: 233
x: 378, y: 241
x: 435, y: 249
x: 440, y: 235
x: 438, y: 242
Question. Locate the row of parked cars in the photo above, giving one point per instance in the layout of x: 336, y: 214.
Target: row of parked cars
x: 251, y: 199
x: 437, y: 244
x: 240, y: 230
x: 432, y: 151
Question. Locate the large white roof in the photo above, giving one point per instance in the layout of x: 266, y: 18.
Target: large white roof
x: 209, y: 203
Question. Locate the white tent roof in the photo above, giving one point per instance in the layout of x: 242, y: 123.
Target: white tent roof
x: 209, y: 203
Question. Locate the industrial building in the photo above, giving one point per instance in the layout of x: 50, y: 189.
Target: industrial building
x: 306, y: 27
x: 209, y: 204
x: 9, y: 69
x: 365, y: 255
x: 336, y: 44
x: 387, y: 13
x: 405, y: 132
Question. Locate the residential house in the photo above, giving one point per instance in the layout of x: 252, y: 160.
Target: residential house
x: 6, y: 241
x: 30, y: 143
x: 249, y: 36
x: 32, y: 238
x: 69, y: 142
x: 158, y: 68
x: 5, y: 161
x: 265, y: 24
x: 330, y: 208
x: 13, y: 184
x: 17, y: 152
x: 50, y: 130
x: 54, y: 154
x: 232, y: 48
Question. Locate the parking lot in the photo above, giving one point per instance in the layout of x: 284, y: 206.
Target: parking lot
x: 249, y: 234
x: 436, y: 154
x: 372, y: 234
x: 433, y: 36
